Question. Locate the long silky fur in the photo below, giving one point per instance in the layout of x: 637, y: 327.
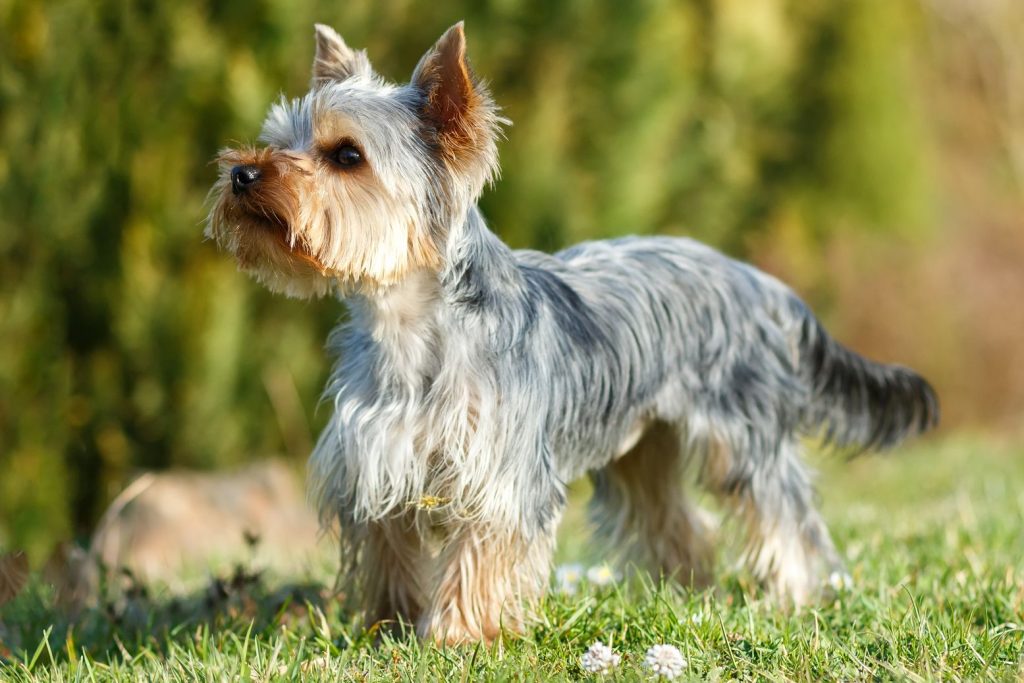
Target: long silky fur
x: 472, y: 381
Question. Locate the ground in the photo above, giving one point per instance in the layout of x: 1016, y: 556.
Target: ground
x: 933, y: 536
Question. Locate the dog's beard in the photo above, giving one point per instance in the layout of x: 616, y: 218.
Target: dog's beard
x: 307, y: 222
x: 265, y: 243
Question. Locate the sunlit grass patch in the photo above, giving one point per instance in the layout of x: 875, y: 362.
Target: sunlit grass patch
x: 934, y: 540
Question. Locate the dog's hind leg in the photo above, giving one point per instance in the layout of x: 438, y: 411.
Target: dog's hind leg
x: 788, y: 545
x: 640, y: 509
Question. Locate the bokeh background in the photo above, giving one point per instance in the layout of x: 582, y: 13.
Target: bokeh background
x: 869, y: 152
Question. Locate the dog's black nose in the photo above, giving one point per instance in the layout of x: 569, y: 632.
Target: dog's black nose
x: 243, y: 178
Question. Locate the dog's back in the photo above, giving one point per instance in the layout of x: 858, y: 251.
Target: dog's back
x: 732, y: 332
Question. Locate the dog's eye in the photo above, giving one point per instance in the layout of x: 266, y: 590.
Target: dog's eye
x: 347, y: 156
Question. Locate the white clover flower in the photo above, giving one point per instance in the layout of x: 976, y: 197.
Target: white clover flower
x: 840, y: 581
x: 665, y: 661
x: 599, y: 659
x: 601, y: 575
x: 568, y: 577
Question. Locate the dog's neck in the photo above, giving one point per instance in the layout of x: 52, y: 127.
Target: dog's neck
x: 480, y: 275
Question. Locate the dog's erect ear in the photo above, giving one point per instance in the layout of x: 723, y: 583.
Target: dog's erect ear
x: 336, y: 61
x: 455, y: 102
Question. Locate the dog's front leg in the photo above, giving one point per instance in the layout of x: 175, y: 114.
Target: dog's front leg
x: 392, y: 571
x: 486, y: 579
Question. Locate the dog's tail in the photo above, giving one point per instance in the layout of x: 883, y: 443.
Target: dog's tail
x: 857, y: 403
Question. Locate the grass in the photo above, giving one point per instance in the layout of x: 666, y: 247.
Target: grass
x: 934, y: 539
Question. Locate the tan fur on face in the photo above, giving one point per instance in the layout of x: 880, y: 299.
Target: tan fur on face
x: 257, y: 227
x: 428, y: 149
x: 299, y: 228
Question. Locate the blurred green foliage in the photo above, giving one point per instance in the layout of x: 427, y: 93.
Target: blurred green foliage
x: 130, y: 342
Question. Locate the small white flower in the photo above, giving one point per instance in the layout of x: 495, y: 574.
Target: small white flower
x: 840, y: 581
x: 599, y: 659
x: 568, y: 577
x: 697, y: 618
x: 665, y: 661
x: 601, y: 575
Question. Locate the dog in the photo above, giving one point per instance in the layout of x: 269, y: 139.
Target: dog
x: 474, y: 381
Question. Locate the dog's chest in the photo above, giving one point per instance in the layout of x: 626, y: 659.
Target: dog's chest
x: 415, y: 444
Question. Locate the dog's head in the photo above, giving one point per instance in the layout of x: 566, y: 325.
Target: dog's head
x: 358, y: 182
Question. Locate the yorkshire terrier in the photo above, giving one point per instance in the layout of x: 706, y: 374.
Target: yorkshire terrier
x: 475, y: 381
